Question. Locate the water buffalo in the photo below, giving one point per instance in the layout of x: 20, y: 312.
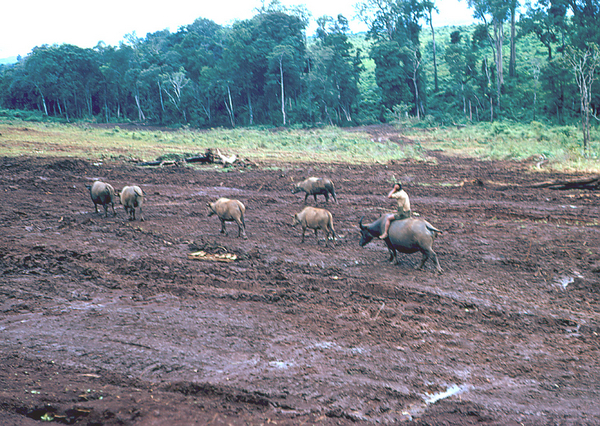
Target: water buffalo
x: 314, y: 218
x: 315, y: 186
x: 229, y: 211
x: 104, y: 194
x: 132, y: 197
x: 406, y: 236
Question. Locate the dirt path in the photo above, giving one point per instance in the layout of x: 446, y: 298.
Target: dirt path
x: 105, y: 321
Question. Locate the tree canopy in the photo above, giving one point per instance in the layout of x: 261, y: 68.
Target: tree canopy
x: 266, y: 71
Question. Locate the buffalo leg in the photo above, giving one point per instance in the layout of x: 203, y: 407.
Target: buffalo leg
x: 317, y: 237
x: 431, y: 254
x: 223, y: 229
x: 315, y: 195
x: 331, y: 233
x: 306, y: 198
x: 113, y: 209
x: 423, y: 260
x: 393, y: 255
x: 241, y: 228
x: 436, y: 261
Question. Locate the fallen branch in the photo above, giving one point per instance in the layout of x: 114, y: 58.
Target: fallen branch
x: 592, y: 183
x: 208, y: 157
x: 226, y: 160
x: 202, y: 255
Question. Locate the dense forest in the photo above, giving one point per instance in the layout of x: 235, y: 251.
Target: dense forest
x: 522, y: 62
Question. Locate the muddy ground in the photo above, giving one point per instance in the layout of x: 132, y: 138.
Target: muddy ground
x: 107, y: 321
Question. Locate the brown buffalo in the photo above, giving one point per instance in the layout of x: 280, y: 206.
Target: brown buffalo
x: 131, y: 198
x: 314, y: 218
x: 229, y: 211
x: 315, y: 186
x: 104, y: 194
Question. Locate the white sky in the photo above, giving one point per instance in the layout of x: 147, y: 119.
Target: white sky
x: 26, y: 24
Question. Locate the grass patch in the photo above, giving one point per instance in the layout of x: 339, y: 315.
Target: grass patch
x: 85, y: 141
x: 560, y: 145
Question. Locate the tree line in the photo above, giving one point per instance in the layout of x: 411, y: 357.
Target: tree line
x: 265, y: 71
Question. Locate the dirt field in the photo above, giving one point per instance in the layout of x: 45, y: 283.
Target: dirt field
x: 106, y: 321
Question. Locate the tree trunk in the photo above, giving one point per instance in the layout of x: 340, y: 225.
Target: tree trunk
x: 435, y: 72
x: 416, y: 95
x: 499, y: 39
x: 282, y: 91
x: 229, y: 107
x: 584, y: 67
x: 66, y: 111
x: 592, y: 183
x: 162, y: 102
x: 43, y: 99
x: 250, y: 111
x: 106, y: 113
x: 512, y: 65
x: 141, y: 116
x: 416, y: 65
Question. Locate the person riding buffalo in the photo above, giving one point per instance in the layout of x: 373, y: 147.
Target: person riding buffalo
x: 399, y: 194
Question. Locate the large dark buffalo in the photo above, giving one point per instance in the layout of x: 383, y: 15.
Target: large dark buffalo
x: 406, y: 236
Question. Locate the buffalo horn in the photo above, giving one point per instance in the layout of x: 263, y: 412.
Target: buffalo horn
x: 360, y: 223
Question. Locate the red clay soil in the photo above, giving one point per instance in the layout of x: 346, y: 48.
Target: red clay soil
x: 107, y: 321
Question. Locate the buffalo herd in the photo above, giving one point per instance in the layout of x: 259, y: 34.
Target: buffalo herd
x: 405, y: 236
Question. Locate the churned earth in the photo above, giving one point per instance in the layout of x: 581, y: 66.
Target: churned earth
x: 107, y: 321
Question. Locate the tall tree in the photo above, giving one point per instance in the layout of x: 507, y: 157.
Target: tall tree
x: 334, y: 69
x: 394, y: 27
x: 280, y: 39
x: 546, y: 19
x: 429, y: 7
x: 584, y: 64
x: 462, y: 64
x: 512, y: 63
x: 493, y: 13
